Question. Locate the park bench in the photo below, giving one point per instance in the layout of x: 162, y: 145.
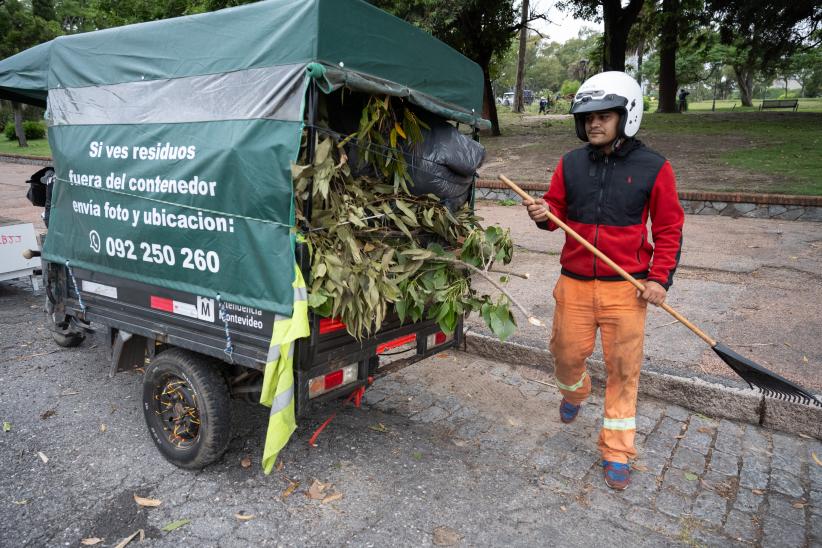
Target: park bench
x: 780, y: 103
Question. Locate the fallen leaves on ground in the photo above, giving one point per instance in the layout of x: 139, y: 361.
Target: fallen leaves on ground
x: 21, y: 502
x: 705, y: 430
x: 799, y: 504
x: 292, y: 486
x: 146, y: 502
x: 639, y: 467
x: 445, y: 536
x: 69, y: 392
x: 245, y: 462
x: 244, y: 517
x: 91, y: 541
x: 6, y: 426
x: 176, y: 524
x: 379, y: 427
x: 317, y: 490
x: 103, y: 427
x: 690, y: 476
x: 323, y: 492
x: 47, y: 413
x: 331, y: 498
x: 758, y: 491
x: 43, y: 457
x: 807, y: 437
x: 280, y: 465
x: 804, y: 359
x: 816, y: 459
x: 131, y: 537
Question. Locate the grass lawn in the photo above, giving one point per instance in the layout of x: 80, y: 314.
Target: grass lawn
x: 783, y: 144
x: 813, y: 104
x: 38, y: 147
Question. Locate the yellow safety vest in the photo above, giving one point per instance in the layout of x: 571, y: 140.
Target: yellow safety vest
x: 278, y: 380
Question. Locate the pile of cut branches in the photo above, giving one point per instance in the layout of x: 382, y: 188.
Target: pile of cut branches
x: 374, y: 245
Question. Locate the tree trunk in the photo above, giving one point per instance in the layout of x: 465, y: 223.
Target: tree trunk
x: 489, y: 106
x: 667, y: 56
x: 18, y: 124
x: 640, y: 52
x: 523, y: 44
x: 744, y: 79
x: 617, y: 24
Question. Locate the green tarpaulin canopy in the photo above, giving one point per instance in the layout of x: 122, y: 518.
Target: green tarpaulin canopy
x: 173, y: 140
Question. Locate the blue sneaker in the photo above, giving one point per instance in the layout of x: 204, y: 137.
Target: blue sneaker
x: 617, y: 474
x: 568, y: 411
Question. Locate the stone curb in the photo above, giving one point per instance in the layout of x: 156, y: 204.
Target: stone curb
x: 698, y: 395
x: 27, y: 160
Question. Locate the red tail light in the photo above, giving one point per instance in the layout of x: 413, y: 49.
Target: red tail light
x: 334, y: 379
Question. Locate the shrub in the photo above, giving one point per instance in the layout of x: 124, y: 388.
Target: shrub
x: 646, y: 104
x: 569, y: 87
x: 32, y: 129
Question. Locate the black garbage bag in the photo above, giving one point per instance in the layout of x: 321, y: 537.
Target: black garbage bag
x: 445, y: 163
x: 38, y: 183
x: 40, y: 187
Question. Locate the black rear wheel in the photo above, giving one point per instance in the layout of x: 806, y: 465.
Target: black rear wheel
x: 187, y: 408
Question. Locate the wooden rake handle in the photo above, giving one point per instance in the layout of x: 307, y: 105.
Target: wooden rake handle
x: 604, y: 258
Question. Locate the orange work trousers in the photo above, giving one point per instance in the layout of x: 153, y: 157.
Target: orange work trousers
x: 582, y: 307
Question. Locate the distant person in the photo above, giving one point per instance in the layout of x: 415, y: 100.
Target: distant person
x: 607, y: 191
x: 683, y: 103
x: 543, y: 105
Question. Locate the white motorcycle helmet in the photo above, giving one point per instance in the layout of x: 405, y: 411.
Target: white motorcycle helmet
x: 611, y: 90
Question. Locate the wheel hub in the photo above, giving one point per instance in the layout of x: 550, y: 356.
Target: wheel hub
x: 176, y: 406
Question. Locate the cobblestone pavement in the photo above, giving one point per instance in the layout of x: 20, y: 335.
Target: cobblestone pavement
x: 455, y: 448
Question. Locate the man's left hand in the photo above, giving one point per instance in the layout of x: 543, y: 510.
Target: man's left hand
x: 654, y: 293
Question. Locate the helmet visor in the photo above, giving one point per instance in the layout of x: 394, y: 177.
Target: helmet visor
x: 584, y: 103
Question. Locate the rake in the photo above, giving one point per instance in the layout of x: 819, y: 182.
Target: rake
x: 768, y: 382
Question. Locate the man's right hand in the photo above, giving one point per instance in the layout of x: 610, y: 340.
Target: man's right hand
x: 537, y: 210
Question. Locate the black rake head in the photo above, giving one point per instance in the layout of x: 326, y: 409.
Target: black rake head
x: 768, y: 382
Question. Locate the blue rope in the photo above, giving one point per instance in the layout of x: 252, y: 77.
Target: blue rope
x: 229, y: 348
x: 76, y: 289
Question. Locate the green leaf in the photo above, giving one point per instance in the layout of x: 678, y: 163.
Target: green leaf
x: 6, y: 426
x: 690, y: 476
x: 299, y: 172
x: 316, y: 300
x: 401, y: 307
x: 323, y: 151
x: 176, y: 524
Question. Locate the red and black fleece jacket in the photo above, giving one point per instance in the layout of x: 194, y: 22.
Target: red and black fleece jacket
x: 608, y: 199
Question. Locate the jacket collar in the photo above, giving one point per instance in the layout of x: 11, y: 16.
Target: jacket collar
x: 624, y: 149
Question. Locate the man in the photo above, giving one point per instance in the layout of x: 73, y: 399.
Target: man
x: 607, y: 191
x: 683, y: 102
x: 543, y: 105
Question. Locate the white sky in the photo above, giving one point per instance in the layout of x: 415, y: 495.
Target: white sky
x: 562, y: 26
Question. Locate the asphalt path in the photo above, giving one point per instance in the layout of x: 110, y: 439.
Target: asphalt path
x: 454, y: 450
